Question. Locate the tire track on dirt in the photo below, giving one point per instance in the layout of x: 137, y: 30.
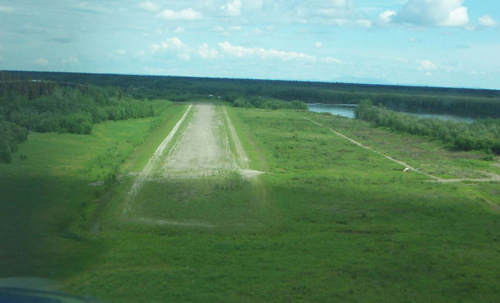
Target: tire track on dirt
x: 202, y: 150
x: 152, y: 163
x: 206, y: 148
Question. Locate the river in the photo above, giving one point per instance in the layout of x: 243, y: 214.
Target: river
x: 347, y: 110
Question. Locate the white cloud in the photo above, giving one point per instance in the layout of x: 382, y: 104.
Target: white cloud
x: 362, y: 23
x: 149, y: 6
x: 325, y: 9
x: 118, y: 54
x: 318, y: 44
x: 140, y: 54
x: 169, y: 44
x: 70, y: 60
x: 207, y: 53
x: 179, y: 30
x: 232, y: 8
x: 487, y: 21
x: 470, y: 28
x: 426, y: 65
x: 241, y: 52
x: 6, y: 9
x: 184, y: 57
x: 217, y: 29
x: 457, y: 17
x: 433, y: 13
x: 42, y: 61
x: 235, y: 28
x: 331, y: 60
x: 331, y: 12
x: 386, y: 17
x: 186, y: 14
x: 155, y: 47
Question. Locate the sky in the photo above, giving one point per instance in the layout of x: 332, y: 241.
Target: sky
x: 452, y: 43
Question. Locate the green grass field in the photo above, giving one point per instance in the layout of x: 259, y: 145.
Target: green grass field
x: 329, y: 221
x: 46, y: 204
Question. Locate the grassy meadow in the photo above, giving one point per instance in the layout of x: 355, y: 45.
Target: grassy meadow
x: 329, y: 221
x: 47, y: 206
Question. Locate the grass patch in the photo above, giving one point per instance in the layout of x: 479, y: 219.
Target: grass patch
x: 46, y: 204
x: 256, y: 160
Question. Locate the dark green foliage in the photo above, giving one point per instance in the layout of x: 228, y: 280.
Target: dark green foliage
x: 44, y: 106
x: 269, y: 103
x: 412, y: 98
x: 10, y: 136
x: 33, y: 89
x: 480, y: 135
x: 242, y: 103
x: 66, y: 109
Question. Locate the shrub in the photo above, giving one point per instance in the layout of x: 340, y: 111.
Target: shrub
x: 480, y: 135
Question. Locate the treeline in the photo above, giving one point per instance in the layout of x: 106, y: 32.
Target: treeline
x: 43, y: 106
x: 11, y: 136
x: 30, y: 88
x: 247, y: 86
x: 430, y: 99
x: 476, y: 106
x: 71, y: 110
x: 484, y: 134
x: 265, y: 103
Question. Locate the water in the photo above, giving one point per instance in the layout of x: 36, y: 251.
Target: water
x: 347, y: 110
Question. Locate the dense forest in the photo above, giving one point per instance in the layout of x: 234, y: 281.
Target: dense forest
x: 44, y: 106
x: 456, y: 101
x: 73, y: 102
x: 266, y: 103
x: 484, y: 134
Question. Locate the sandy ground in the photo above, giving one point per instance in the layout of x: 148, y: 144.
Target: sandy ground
x: 203, y: 149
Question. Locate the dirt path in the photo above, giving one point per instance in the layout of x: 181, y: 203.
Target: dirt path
x: 493, y: 177
x: 152, y: 163
x: 204, y: 147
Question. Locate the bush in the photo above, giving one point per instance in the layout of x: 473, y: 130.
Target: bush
x: 242, y: 103
x: 480, y: 135
x: 269, y: 103
x: 70, y: 109
x: 12, y: 135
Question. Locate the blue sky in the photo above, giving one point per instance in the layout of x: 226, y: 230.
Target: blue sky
x: 452, y: 43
